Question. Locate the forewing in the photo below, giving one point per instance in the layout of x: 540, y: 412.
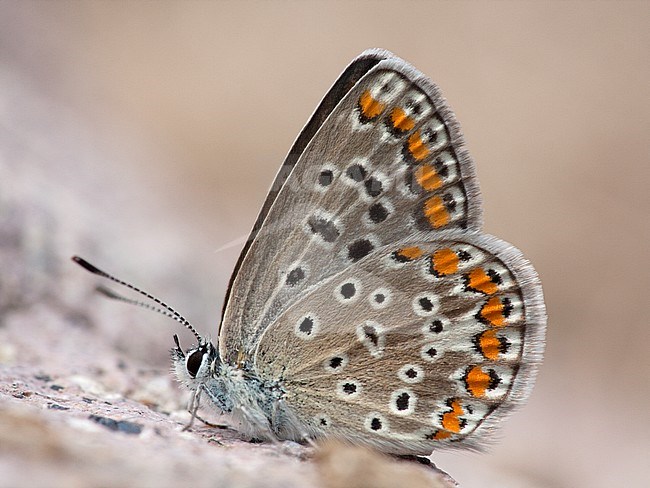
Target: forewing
x: 420, y: 345
x: 387, y: 161
x: 357, y: 68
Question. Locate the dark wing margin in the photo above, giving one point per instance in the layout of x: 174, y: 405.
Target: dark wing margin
x: 349, y: 78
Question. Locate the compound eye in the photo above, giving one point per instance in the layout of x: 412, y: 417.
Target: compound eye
x: 194, y: 360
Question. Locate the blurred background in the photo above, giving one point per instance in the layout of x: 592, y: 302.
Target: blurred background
x: 144, y: 136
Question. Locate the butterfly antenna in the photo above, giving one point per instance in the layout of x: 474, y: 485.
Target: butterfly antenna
x: 163, y: 308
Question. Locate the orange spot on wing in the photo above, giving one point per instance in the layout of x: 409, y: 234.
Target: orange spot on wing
x: 427, y: 177
x: 445, y: 262
x: 401, y: 121
x: 479, y: 280
x: 490, y: 345
x: 441, y: 435
x: 493, y: 312
x: 410, y: 253
x: 416, y: 146
x: 370, y: 108
x: 477, y: 381
x: 436, y: 212
x: 451, y: 420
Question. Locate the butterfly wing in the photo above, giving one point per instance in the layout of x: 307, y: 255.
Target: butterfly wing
x: 421, y: 345
x: 381, y: 158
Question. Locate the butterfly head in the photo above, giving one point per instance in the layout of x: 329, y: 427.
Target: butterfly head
x: 195, y: 365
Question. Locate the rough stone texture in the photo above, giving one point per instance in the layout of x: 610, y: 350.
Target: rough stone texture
x: 100, y: 420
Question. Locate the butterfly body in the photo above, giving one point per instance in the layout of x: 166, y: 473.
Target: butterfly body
x: 367, y: 304
x: 255, y: 405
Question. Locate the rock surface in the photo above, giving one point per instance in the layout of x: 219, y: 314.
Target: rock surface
x: 99, y: 420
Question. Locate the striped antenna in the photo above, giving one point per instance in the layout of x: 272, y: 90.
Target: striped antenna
x: 162, y: 307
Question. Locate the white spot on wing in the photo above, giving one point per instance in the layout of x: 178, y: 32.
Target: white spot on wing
x: 375, y: 419
x: 397, y: 402
x: 411, y: 373
x: 348, y: 291
x: 336, y: 363
x: 428, y: 352
x: 307, y: 326
x: 380, y: 298
x: 348, y: 389
x: 425, y: 304
x: 372, y: 335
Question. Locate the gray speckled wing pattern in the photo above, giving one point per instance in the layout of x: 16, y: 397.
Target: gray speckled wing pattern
x: 388, y: 160
x: 422, y: 344
x: 367, y: 288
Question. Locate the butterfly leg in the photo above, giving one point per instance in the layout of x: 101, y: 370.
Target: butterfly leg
x: 211, y: 424
x: 192, y: 407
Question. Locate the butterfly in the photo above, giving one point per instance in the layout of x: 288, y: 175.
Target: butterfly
x: 367, y: 304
